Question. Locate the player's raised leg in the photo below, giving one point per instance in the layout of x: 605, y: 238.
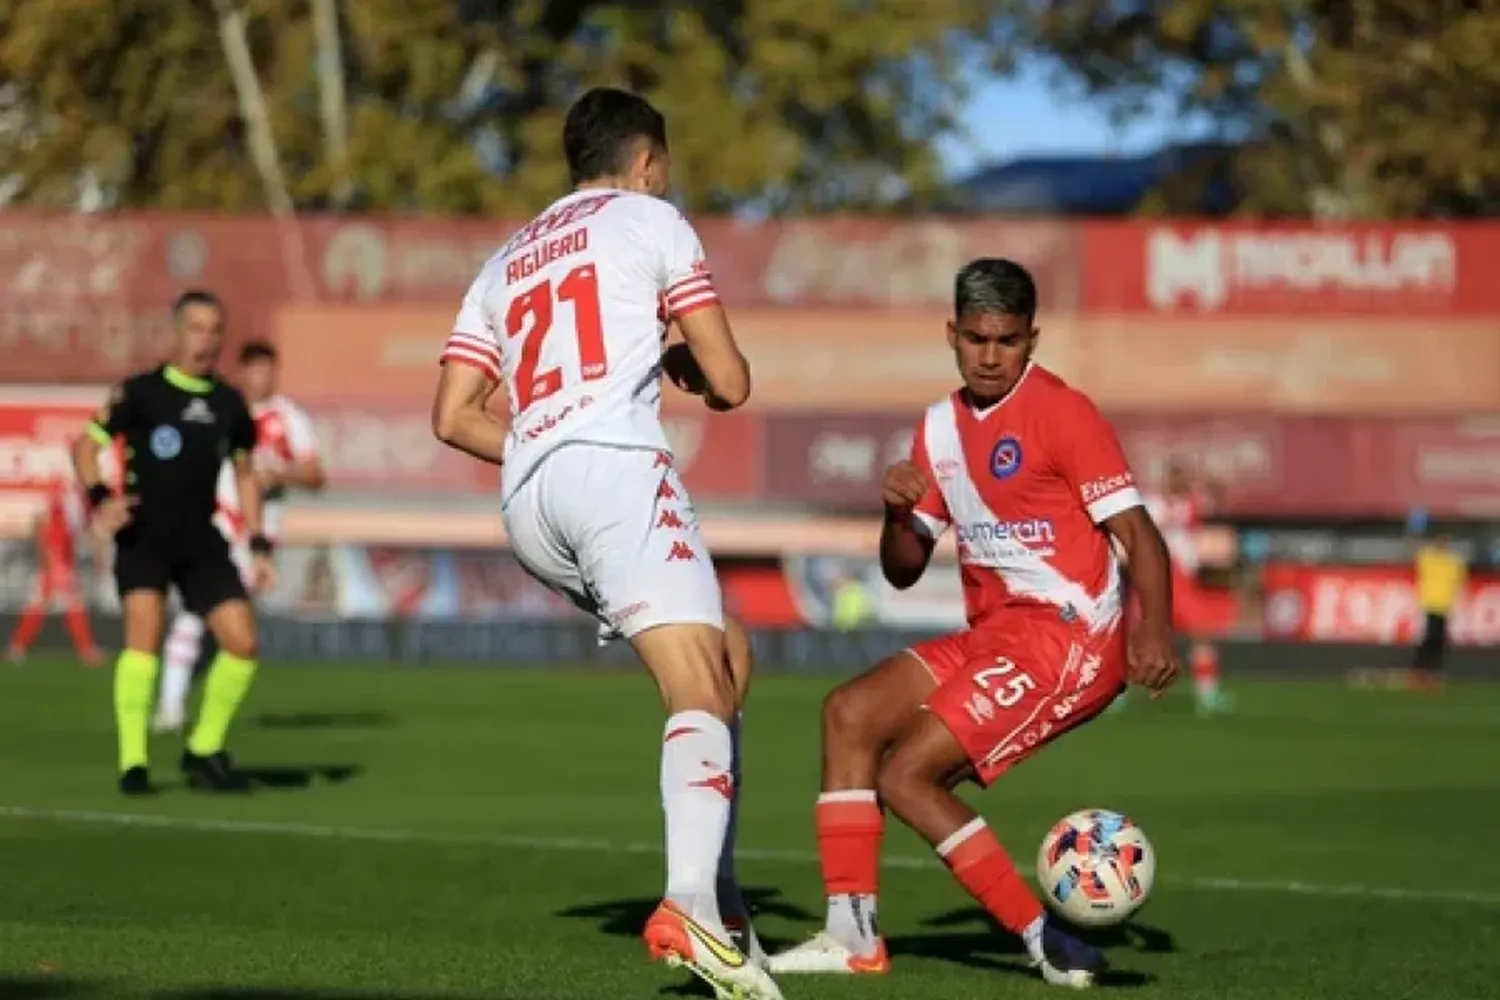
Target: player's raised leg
x: 179, y: 655
x: 1028, y: 689
x: 862, y: 718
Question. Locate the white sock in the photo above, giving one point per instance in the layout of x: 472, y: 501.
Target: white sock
x: 728, y: 886
x: 1032, y: 938
x: 697, y: 788
x: 184, y: 643
x: 851, y: 922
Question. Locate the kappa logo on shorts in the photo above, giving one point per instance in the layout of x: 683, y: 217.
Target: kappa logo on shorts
x: 681, y: 552
x: 980, y: 708
x: 166, y: 442
x: 1005, y: 460
x: 669, y: 519
x: 665, y: 491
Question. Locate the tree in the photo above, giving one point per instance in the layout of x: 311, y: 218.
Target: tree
x: 1372, y: 108
x: 456, y: 105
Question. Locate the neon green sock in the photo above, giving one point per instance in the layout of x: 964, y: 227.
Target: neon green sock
x: 135, y: 689
x: 228, y: 682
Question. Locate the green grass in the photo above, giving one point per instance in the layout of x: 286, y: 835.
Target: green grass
x: 498, y: 840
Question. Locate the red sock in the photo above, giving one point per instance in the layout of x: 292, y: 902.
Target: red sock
x: 78, y: 628
x: 29, y: 626
x: 985, y: 871
x: 850, y: 825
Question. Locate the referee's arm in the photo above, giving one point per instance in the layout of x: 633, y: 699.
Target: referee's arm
x: 242, y: 448
x: 114, y: 418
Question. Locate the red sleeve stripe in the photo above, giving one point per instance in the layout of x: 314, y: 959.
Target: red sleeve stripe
x: 690, y: 300
x: 696, y: 284
x: 474, y: 342
x: 462, y: 354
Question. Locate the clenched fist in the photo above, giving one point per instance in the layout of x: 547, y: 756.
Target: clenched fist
x: 1151, y: 659
x: 905, y: 485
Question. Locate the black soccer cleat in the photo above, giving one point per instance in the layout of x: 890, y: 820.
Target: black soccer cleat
x: 212, y: 773
x: 136, y: 782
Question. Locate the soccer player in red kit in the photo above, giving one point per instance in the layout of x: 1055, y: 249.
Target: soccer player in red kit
x: 1180, y: 510
x: 1032, y: 481
x: 57, y: 527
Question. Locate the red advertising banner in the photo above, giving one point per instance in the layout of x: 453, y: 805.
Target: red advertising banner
x: 835, y: 460
x: 392, y: 449
x: 1360, y: 367
x: 1369, y: 604
x: 828, y: 262
x: 37, y: 429
x: 86, y: 298
x: 1269, y: 465
x: 1241, y: 270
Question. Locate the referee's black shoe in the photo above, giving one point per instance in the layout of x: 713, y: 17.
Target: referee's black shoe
x: 136, y: 782
x: 212, y: 773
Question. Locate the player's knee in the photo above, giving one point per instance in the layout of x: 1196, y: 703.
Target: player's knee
x: 899, y: 782
x: 846, y: 715
x: 688, y: 663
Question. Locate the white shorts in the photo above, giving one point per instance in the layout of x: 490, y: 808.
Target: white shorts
x: 613, y: 530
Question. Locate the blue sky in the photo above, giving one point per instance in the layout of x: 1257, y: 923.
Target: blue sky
x: 1027, y: 114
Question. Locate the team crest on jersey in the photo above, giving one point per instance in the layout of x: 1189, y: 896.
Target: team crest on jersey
x: 1005, y: 460
x: 166, y: 442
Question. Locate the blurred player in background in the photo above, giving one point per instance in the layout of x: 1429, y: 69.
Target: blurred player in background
x: 1031, y: 478
x: 572, y: 315
x: 286, y: 458
x: 1180, y: 510
x: 178, y: 423
x: 58, y: 527
x: 1442, y: 574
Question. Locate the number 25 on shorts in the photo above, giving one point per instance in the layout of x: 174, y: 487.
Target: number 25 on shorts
x: 532, y: 313
x: 1005, y: 684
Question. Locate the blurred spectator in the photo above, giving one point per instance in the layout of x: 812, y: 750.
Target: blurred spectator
x: 1441, y: 576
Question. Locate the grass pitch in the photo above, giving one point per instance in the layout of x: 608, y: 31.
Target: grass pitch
x: 434, y: 833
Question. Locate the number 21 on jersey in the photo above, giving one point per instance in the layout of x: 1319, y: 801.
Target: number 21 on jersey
x: 532, y: 316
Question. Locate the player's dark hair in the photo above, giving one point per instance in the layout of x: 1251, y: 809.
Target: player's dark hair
x: 602, y: 129
x: 257, y: 350
x: 994, y: 285
x: 196, y: 297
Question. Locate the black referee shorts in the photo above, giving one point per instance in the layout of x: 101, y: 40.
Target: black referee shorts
x: 197, y: 563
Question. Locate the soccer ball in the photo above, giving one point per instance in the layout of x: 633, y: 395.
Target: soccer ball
x: 1096, y: 868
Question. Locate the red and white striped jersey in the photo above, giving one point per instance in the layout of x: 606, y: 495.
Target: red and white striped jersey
x: 1179, y: 516
x: 284, y: 435
x: 1027, y: 486
x: 571, y: 316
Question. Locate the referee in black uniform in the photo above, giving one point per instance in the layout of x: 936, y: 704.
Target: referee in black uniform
x: 179, y: 424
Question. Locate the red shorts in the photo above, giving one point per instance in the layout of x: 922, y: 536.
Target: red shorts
x: 1007, y: 691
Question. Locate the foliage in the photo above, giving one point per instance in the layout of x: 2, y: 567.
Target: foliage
x: 456, y: 105
x: 1372, y: 108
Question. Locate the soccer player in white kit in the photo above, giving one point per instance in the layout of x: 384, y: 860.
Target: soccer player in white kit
x: 571, y: 315
x: 286, y: 457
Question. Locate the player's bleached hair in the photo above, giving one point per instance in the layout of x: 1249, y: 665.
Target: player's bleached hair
x: 602, y: 129
x: 196, y: 297
x: 994, y: 285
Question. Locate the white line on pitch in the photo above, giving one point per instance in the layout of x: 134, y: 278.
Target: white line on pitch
x: 592, y: 846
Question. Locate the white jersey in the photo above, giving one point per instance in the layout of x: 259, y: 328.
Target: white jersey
x: 571, y: 315
x: 284, y: 436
